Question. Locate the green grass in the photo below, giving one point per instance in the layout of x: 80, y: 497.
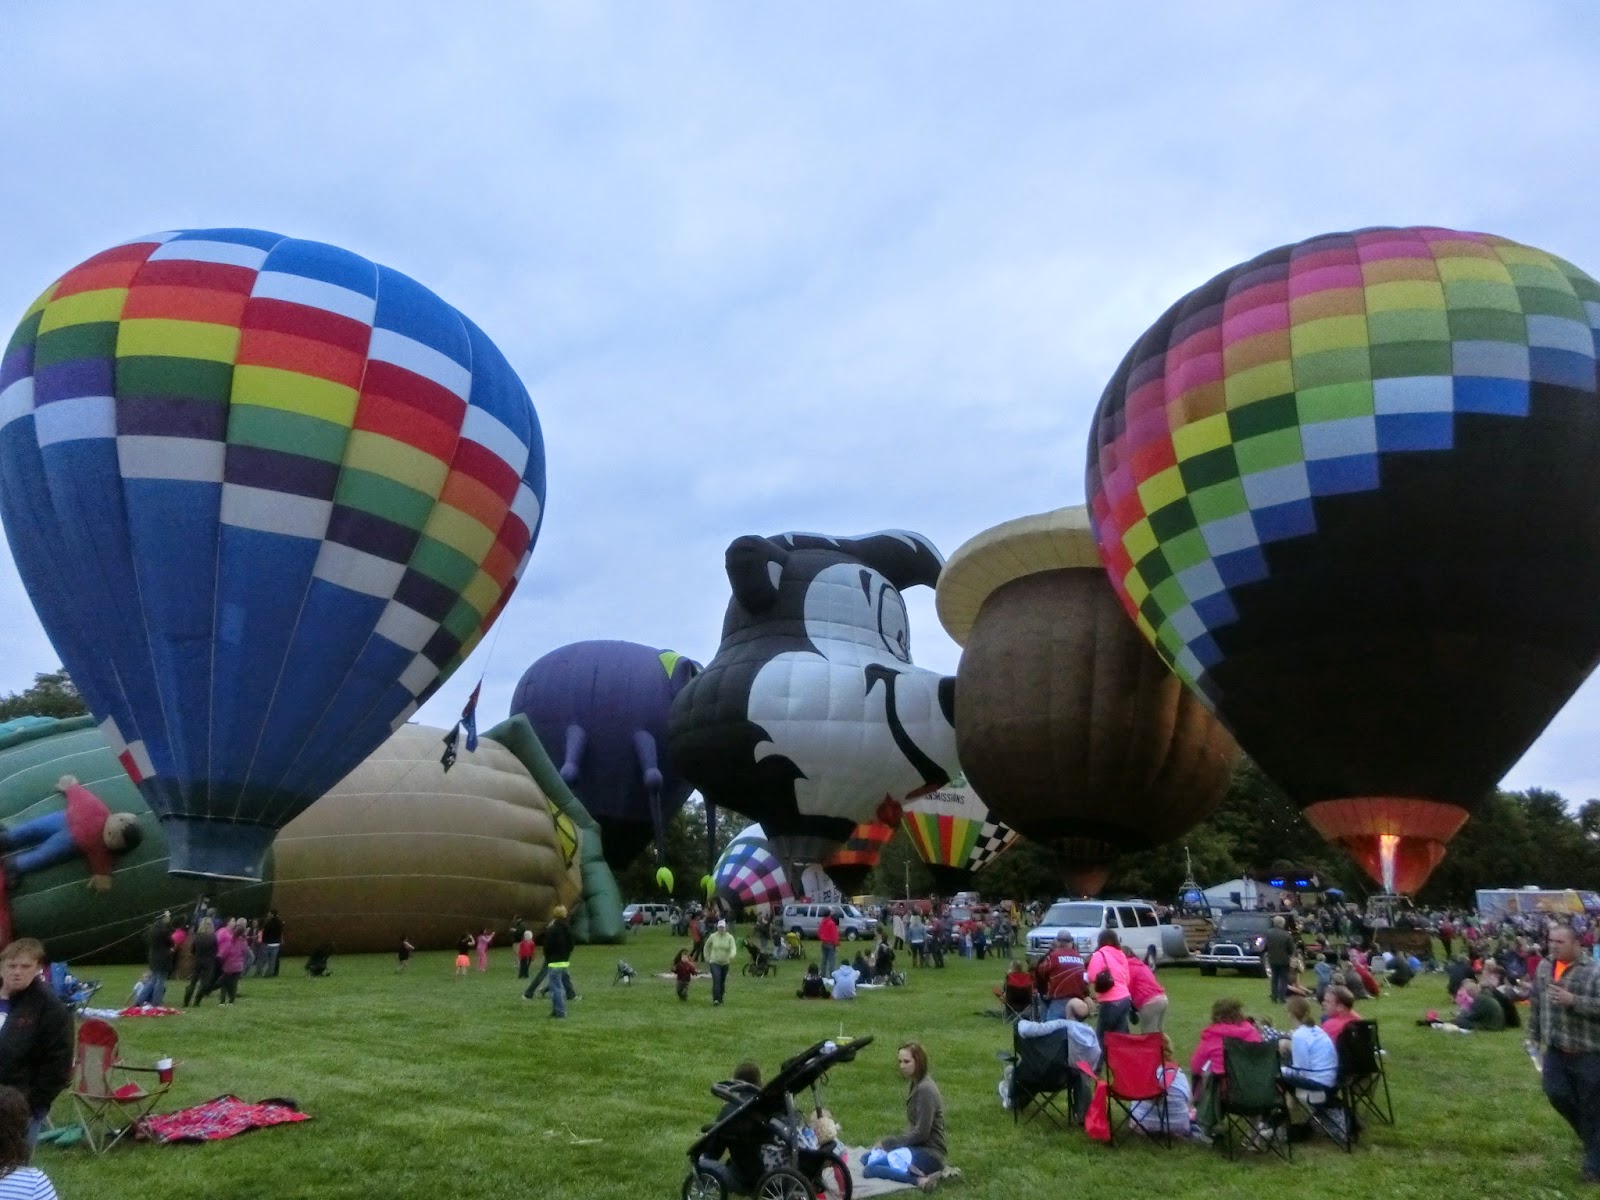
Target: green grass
x: 425, y: 1086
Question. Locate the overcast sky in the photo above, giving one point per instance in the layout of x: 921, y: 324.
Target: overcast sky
x: 834, y: 267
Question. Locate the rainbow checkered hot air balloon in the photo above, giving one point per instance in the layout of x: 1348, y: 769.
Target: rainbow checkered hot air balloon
x: 954, y: 834
x: 265, y: 496
x: 1347, y: 490
x: 748, y: 873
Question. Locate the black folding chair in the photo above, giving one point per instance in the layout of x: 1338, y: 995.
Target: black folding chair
x: 1363, y: 1082
x: 1251, y: 1103
x: 1041, y: 1073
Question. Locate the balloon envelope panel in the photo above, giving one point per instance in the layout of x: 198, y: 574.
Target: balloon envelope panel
x: 748, y: 873
x: 954, y: 833
x: 1347, y: 491
x: 265, y: 496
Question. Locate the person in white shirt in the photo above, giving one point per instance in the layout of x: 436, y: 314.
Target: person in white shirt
x: 1313, y: 1064
x: 1146, y: 1114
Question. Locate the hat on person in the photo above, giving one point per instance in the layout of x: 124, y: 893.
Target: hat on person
x: 722, y: 924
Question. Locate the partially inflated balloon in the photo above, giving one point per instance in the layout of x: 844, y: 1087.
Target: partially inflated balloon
x: 748, y: 873
x: 954, y: 833
x: 265, y: 496
x: 1347, y: 490
x: 1070, y: 727
x: 851, y: 863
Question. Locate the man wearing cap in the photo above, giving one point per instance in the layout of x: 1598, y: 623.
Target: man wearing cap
x: 720, y: 949
x: 1060, y: 977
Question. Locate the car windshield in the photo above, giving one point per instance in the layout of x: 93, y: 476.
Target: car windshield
x: 1085, y: 916
x: 1244, y: 922
x: 850, y: 910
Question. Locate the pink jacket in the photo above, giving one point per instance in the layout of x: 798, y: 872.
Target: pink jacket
x: 230, y: 951
x: 1142, y: 983
x: 1208, y: 1054
x: 1108, y: 958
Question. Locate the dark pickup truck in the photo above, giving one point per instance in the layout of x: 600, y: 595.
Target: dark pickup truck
x: 1236, y: 943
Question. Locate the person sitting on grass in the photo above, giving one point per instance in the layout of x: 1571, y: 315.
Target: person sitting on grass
x: 813, y: 986
x: 924, y: 1135
x: 883, y: 962
x: 1482, y: 1011
x: 844, y: 982
x: 17, y: 1178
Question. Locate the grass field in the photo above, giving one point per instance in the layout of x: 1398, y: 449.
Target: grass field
x: 427, y: 1086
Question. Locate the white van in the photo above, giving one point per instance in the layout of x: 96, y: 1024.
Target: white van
x: 1135, y: 921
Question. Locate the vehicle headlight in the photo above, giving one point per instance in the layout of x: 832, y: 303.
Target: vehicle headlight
x: 1261, y: 943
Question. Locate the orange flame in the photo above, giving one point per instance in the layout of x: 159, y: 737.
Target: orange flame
x: 1388, y: 846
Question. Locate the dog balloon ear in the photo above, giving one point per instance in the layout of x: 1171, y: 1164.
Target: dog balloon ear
x: 755, y: 564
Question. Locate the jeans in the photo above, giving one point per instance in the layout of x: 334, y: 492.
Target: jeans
x: 830, y: 958
x: 566, y: 981
x: 559, y: 983
x: 268, y: 962
x: 719, y: 980
x: 918, y: 953
x: 158, y: 987
x: 1153, y: 1015
x: 205, y: 978
x: 228, y: 984
x: 1572, y: 1085
x: 1113, y: 1016
x: 1280, y: 983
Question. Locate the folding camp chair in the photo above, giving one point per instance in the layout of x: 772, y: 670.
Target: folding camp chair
x: 110, y: 1102
x: 1251, y: 1102
x: 1363, y: 1084
x: 1133, y: 1065
x: 1041, y: 1071
x: 1017, y: 1002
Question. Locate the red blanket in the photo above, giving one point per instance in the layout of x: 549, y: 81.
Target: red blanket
x: 151, y: 1010
x: 224, y: 1117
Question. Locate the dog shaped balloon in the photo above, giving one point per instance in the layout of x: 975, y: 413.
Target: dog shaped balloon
x: 811, y: 716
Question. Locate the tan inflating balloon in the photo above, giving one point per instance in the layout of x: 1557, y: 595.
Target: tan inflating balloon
x: 1067, y: 722
x: 400, y: 847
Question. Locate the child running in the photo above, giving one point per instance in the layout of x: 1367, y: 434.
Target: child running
x: 404, y: 953
x: 484, y: 941
x: 683, y: 968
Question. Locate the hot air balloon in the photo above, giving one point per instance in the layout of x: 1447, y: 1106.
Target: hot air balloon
x: 748, y: 873
x: 851, y: 863
x: 811, y: 712
x: 265, y: 496
x: 953, y: 833
x: 1347, y: 490
x: 600, y: 708
x: 1068, y: 725
x: 397, y: 845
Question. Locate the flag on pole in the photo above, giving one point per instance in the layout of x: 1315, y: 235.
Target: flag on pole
x: 469, y: 718
x: 448, y: 758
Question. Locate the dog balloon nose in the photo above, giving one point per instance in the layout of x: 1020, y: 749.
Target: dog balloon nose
x: 947, y: 698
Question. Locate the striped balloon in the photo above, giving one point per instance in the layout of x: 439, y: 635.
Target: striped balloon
x: 955, y: 835
x: 265, y: 496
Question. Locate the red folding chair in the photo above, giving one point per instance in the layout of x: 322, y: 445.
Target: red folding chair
x: 1133, y: 1066
x: 109, y: 1100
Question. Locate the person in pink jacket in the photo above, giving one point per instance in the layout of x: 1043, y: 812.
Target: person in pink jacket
x: 1107, y: 972
x: 1227, y: 1021
x: 1149, y: 997
x: 232, y: 946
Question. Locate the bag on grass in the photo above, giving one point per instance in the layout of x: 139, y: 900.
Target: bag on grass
x: 1097, y: 1121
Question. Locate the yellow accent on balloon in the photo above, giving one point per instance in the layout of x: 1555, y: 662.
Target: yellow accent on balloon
x: 664, y: 877
x: 164, y: 338
x: 84, y: 308
x: 288, y: 391
x: 708, y: 885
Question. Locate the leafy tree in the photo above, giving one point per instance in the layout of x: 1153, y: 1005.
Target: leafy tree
x: 52, y: 695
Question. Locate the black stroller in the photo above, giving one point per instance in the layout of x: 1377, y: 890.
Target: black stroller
x: 762, y: 1135
x: 760, y: 964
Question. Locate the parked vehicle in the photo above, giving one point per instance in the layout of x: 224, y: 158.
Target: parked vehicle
x: 652, y: 914
x: 1136, y: 923
x: 1238, y: 943
x: 804, y: 919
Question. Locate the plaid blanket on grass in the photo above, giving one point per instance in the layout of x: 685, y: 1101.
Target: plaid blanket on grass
x: 224, y: 1117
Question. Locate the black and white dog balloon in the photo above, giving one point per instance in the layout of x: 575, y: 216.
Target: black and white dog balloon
x: 810, y: 716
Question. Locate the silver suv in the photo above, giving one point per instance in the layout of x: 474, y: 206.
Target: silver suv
x: 804, y: 919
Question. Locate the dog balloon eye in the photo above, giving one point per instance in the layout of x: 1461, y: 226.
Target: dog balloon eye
x: 893, y: 625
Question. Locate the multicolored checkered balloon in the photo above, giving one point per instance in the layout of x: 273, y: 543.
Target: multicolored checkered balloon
x: 265, y: 496
x: 1347, y: 490
x: 748, y: 873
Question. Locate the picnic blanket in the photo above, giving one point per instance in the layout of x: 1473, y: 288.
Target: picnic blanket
x: 861, y: 1188
x: 224, y: 1117
x: 151, y: 1010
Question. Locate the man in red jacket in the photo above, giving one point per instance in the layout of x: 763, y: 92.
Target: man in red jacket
x: 828, y: 935
x: 1060, y: 976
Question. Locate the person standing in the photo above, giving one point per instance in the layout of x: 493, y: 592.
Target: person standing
x: 1564, y: 1030
x: 899, y: 927
x: 1149, y: 997
x: 1107, y: 972
x: 917, y: 935
x: 558, y: 959
x: 271, y: 944
x: 828, y: 935
x: 697, y: 938
x: 204, y: 942
x: 720, y: 950
x: 483, y: 941
x: 403, y: 954
x: 36, y: 1039
x: 525, y: 949
x: 158, y: 957
x: 1278, y: 950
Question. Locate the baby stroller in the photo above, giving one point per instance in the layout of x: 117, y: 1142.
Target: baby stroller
x: 769, y: 1149
x: 760, y: 964
x: 75, y: 993
x: 317, y: 964
x: 624, y: 975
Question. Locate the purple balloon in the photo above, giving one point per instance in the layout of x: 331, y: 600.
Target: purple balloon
x: 600, y: 710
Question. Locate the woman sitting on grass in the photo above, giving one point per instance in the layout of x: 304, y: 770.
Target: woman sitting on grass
x: 18, y: 1180
x: 924, y: 1135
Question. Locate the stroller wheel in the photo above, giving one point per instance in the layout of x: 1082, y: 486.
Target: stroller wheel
x: 703, y: 1185
x: 833, y: 1179
x: 784, y: 1183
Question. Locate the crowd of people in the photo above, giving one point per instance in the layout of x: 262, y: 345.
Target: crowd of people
x: 207, y: 953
